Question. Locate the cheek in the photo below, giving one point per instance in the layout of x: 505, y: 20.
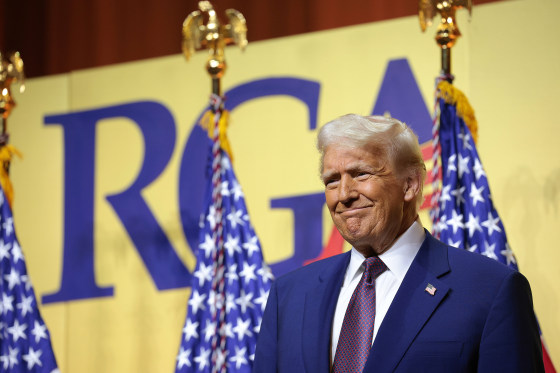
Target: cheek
x: 372, y: 192
x: 331, y: 199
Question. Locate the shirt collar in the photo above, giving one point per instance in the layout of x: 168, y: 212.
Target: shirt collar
x: 397, y: 258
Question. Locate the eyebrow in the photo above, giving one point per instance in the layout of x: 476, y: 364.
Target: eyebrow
x: 354, y: 168
x: 328, y: 175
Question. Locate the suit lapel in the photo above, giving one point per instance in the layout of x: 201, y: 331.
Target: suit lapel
x: 411, y: 308
x: 320, y: 303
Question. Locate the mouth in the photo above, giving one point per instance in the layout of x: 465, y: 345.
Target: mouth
x: 351, y: 211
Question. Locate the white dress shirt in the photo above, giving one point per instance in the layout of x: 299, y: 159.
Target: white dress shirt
x: 398, y: 259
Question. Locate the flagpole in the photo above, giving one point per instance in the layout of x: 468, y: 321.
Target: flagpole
x: 214, y: 36
x: 446, y: 36
x: 447, y: 31
x: 30, y: 349
x: 3, y: 136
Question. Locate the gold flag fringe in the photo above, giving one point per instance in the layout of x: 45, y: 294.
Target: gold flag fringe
x: 207, y: 122
x: 454, y: 96
x: 6, y: 154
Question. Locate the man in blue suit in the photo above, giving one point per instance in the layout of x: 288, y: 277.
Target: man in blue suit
x: 399, y: 300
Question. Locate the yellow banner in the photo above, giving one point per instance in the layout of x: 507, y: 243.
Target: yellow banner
x: 107, y: 196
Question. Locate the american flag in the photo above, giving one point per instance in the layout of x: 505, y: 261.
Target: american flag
x: 463, y: 213
x: 466, y: 218
x: 25, y: 344
x: 231, y: 281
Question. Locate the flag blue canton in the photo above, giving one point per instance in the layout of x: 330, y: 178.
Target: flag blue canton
x: 467, y: 218
x: 246, y: 284
x: 25, y: 344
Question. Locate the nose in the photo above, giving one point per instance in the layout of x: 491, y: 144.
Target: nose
x: 347, y: 191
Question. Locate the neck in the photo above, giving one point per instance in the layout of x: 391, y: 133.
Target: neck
x: 371, y: 250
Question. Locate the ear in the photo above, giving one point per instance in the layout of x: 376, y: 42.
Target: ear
x: 411, y: 187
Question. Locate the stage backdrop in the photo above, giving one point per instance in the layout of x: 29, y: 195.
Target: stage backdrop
x: 108, y: 195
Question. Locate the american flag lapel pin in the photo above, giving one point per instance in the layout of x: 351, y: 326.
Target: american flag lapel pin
x: 430, y: 289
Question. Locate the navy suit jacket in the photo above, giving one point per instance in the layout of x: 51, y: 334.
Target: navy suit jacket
x: 480, y: 318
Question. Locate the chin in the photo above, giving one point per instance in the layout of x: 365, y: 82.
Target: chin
x: 354, y: 238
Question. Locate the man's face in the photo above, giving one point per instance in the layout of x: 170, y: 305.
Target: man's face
x: 365, y: 197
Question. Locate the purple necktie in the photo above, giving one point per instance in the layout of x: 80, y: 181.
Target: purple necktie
x: 354, y: 342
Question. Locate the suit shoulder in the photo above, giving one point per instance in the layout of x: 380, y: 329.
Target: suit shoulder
x: 479, y: 265
x: 306, y: 273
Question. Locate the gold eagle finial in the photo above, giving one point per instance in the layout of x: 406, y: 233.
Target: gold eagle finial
x: 11, y: 71
x: 213, y: 36
x: 447, y: 32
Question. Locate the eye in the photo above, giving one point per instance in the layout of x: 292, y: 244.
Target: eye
x: 331, y: 183
x: 363, y: 175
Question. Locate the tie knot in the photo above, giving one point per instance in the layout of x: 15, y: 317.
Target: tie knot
x: 374, y: 267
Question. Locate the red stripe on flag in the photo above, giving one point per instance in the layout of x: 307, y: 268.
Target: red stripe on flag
x: 548, y: 366
x: 333, y: 247
x: 427, y: 152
